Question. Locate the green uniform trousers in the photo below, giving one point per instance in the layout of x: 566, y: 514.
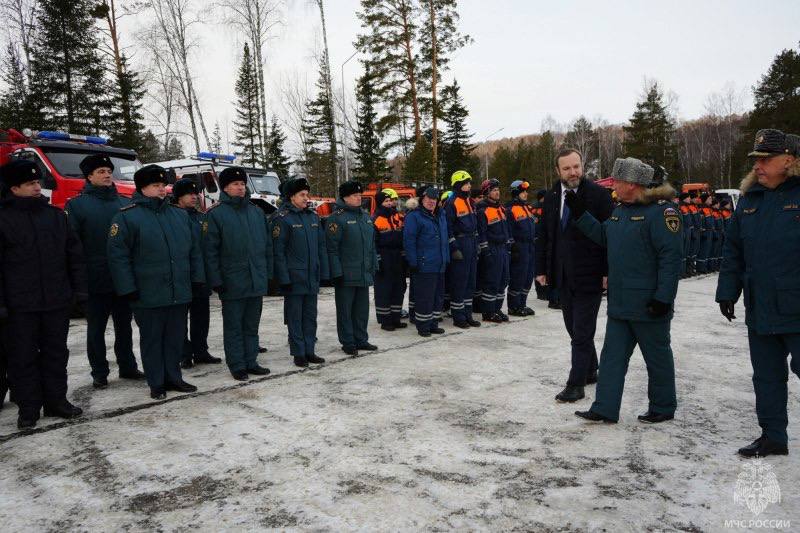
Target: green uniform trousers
x: 161, y: 333
x: 240, y: 319
x: 653, y: 339
x: 300, y: 315
x: 768, y: 354
x: 352, y: 315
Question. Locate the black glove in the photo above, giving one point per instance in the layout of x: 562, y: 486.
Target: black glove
x: 726, y: 308
x: 337, y: 281
x: 576, y: 204
x: 286, y: 289
x: 131, y: 296
x: 457, y: 255
x: 657, y: 309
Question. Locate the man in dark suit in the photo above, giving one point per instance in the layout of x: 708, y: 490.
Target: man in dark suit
x: 568, y: 261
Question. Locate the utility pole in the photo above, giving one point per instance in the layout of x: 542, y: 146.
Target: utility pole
x: 486, y: 154
x: 345, y: 149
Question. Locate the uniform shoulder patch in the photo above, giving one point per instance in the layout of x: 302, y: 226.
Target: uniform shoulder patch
x: 129, y: 206
x: 672, y: 219
x: 333, y: 227
x: 114, y: 230
x: 276, y: 231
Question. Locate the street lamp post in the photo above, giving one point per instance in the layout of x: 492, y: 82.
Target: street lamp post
x: 345, y: 150
x: 486, y: 155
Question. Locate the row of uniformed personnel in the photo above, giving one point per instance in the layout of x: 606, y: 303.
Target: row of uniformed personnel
x: 705, y: 220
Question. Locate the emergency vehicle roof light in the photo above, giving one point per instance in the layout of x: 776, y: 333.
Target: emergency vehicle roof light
x: 64, y: 136
x: 211, y: 156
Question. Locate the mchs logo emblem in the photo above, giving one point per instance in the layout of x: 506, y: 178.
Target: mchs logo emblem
x: 757, y: 487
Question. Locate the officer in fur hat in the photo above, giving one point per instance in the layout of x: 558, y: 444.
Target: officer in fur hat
x: 761, y: 262
x: 90, y: 215
x: 185, y: 194
x: 644, y: 243
x: 239, y: 264
x: 301, y: 263
x: 42, y: 273
x: 353, y: 263
x: 156, y: 262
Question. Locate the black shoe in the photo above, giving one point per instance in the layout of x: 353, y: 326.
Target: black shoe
x: 315, y: 359
x: 462, y: 325
x: 136, y: 375
x: 528, y: 311
x: 503, y: 316
x: 258, y: 370
x: 261, y: 349
x: 207, y: 359
x: 591, y: 416
x: 473, y: 323
x: 367, y: 347
x: 99, y: 383
x: 592, y: 379
x: 424, y: 333
x: 62, y: 409
x: 437, y: 330
x: 496, y: 318
x: 25, y: 423
x: 762, y: 446
x: 350, y: 350
x: 158, y: 394
x: 301, y: 361
x: 654, y: 418
x: 516, y: 312
x: 570, y: 394
x: 400, y: 325
x: 387, y: 327
x: 187, y: 363
x: 180, y: 386
x: 554, y: 305
x: 240, y: 375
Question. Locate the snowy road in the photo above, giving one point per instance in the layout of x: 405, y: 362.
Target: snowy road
x: 452, y: 432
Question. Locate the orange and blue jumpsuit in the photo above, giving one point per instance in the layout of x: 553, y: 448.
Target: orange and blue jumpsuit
x: 390, y: 279
x: 522, y: 226
x: 462, y: 235
x: 494, y: 241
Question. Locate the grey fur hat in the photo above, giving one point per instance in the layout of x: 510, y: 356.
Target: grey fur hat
x: 632, y: 170
x: 793, y: 143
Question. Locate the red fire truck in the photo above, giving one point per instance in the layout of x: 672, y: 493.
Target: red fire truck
x: 59, y: 154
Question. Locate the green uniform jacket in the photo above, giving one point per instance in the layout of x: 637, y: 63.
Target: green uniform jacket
x: 200, y: 228
x: 238, y: 248
x: 90, y: 216
x: 645, y: 250
x: 152, y: 250
x: 301, y: 257
x: 351, y: 246
x: 762, y: 256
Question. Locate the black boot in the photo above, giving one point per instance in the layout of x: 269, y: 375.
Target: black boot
x: 301, y: 361
x: 261, y: 349
x: 26, y: 422
x: 591, y: 416
x: 654, y: 418
x: 240, y: 375
x: 100, y: 382
x: 62, y: 409
x: 136, y: 375
x: 258, y: 370
x: 158, y: 394
x: 314, y: 359
x: 181, y: 386
x: 461, y: 325
x: 207, y: 359
x: 400, y: 325
x: 516, y: 312
x: 367, y: 347
x: 437, y: 330
x: 387, y: 327
x: 528, y: 311
x: 473, y: 323
x: 592, y: 379
x: 349, y: 350
x: 570, y: 394
x: 186, y: 363
x: 762, y: 446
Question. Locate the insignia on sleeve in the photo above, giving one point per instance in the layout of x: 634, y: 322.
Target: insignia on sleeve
x: 333, y: 227
x: 205, y: 227
x: 672, y: 219
x: 276, y: 231
x: 114, y: 230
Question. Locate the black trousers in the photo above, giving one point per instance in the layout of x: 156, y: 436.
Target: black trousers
x: 580, y: 317
x: 3, y: 379
x: 98, y: 309
x: 37, y: 354
x: 196, y: 343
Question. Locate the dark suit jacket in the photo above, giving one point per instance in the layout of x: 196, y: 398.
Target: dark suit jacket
x: 569, y: 258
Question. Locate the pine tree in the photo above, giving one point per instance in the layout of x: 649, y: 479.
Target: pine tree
x: 216, y: 139
x: 174, y: 150
x: 649, y: 136
x: 321, y: 145
x: 777, y: 96
x: 124, y: 123
x: 417, y: 167
x: 583, y: 138
x: 246, y: 125
x: 370, y: 157
x: 456, y: 147
x: 276, y: 157
x: 150, y: 150
x: 15, y: 109
x: 69, y: 81
x: 545, y: 158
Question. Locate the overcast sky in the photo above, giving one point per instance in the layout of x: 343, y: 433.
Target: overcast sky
x: 534, y: 58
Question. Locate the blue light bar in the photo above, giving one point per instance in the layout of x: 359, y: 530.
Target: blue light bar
x: 211, y: 156
x: 96, y: 140
x: 53, y: 135
x: 64, y: 136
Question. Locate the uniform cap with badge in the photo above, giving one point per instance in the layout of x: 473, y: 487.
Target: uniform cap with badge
x: 231, y: 174
x: 772, y: 142
x: 19, y: 171
x: 350, y: 187
x: 294, y: 186
x: 149, y: 174
x: 92, y: 162
x: 184, y: 186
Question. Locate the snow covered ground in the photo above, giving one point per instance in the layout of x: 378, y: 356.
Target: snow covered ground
x: 453, y: 432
